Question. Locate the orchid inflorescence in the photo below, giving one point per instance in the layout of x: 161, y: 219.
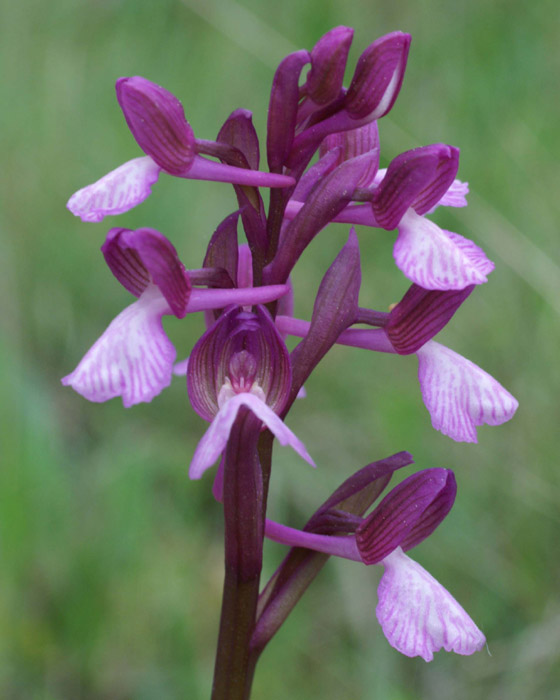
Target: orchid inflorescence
x: 241, y: 377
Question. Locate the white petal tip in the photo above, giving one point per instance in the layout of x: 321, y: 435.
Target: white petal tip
x: 419, y: 616
x: 459, y: 395
x: 117, y: 192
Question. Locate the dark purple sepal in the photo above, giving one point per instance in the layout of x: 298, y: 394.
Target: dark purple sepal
x: 407, y: 514
x: 282, y: 110
x: 420, y: 315
x: 239, y: 335
x: 328, y: 61
x: 417, y: 178
x: 139, y: 257
x: 157, y: 122
x: 434, y: 514
x: 327, y: 199
x: 378, y: 76
x: 335, y: 308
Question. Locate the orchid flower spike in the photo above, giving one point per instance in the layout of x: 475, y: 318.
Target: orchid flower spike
x: 240, y: 361
x: 157, y: 122
x: 134, y: 357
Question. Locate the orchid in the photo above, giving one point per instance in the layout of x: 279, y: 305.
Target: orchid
x: 240, y: 376
x: 134, y: 357
x: 416, y: 613
x: 240, y: 361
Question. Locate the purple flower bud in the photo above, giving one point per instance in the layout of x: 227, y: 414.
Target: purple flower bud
x: 420, y: 315
x: 137, y: 258
x: 328, y: 61
x: 417, y: 179
x: 282, y: 110
x: 223, y: 250
x: 241, y: 353
x: 238, y: 131
x: 157, y: 121
x: 407, y: 515
x: 378, y: 77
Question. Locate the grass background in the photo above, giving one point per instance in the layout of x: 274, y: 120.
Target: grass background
x: 111, y: 566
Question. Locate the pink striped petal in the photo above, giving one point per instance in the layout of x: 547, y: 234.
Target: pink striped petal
x: 117, y: 192
x: 459, y: 395
x: 438, y: 259
x: 132, y: 359
x: 456, y: 196
x: 418, y: 616
x: 215, y: 438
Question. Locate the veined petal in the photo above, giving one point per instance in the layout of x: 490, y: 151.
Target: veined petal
x: 418, y: 616
x: 215, y: 439
x: 438, y: 259
x: 459, y: 395
x: 456, y: 196
x: 120, y: 190
x: 132, y: 359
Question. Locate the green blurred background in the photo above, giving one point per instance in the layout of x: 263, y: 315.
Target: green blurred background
x: 110, y: 562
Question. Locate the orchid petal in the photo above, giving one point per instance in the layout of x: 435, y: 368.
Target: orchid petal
x: 118, y: 191
x: 456, y: 196
x: 418, y: 616
x: 132, y: 359
x: 215, y: 439
x: 180, y: 368
x: 438, y: 259
x: 459, y: 395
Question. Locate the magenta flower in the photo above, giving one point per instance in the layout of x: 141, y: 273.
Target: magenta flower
x: 417, y: 614
x: 134, y: 357
x: 157, y: 122
x: 240, y: 361
x: 458, y: 394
